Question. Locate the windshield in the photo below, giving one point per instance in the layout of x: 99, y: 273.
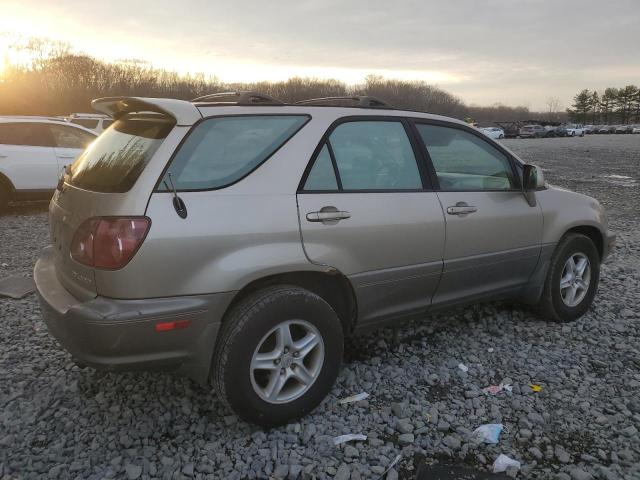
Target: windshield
x: 113, y: 163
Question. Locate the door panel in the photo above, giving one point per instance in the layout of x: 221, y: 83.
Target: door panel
x: 390, y: 246
x: 29, y: 168
x: 494, y: 248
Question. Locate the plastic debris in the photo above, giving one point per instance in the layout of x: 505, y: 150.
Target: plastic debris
x: 535, y: 388
x: 463, y: 367
x: 490, y: 350
x: 354, y: 398
x: 503, y: 462
x: 340, y: 439
x: 391, y: 465
x: 488, y: 433
x: 495, y: 389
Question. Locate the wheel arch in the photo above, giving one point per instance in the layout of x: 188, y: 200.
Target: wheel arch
x: 332, y: 286
x: 591, y: 232
x: 6, y: 183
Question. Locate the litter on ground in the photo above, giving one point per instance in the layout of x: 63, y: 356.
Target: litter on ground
x: 488, y: 433
x: 463, y: 367
x: 535, y: 388
x: 503, y: 462
x: 494, y: 389
x: 354, y: 398
x: 348, y: 438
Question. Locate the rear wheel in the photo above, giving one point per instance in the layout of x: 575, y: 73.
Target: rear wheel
x: 572, y: 279
x: 278, y: 355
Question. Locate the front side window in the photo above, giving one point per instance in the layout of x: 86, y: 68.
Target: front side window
x: 371, y: 155
x: 220, y: 151
x: 463, y: 161
x: 69, y: 137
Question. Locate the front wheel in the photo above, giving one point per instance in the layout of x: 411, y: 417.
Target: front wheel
x: 572, y: 279
x: 278, y: 355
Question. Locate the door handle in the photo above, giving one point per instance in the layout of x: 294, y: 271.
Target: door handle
x: 66, y: 156
x: 327, y: 216
x: 461, y: 208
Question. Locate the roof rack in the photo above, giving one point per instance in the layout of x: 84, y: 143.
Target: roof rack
x: 355, y: 101
x: 238, y: 98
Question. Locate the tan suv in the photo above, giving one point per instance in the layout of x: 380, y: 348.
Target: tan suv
x: 240, y: 240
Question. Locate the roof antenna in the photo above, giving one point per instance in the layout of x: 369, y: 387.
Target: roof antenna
x: 178, y: 203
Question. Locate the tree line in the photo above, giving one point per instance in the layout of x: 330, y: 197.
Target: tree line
x: 57, y: 81
x: 613, y: 106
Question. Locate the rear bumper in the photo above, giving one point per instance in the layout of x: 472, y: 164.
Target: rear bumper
x: 113, y: 334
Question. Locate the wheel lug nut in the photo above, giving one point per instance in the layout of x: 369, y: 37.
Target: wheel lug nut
x: 286, y: 350
x: 296, y: 354
x: 277, y: 361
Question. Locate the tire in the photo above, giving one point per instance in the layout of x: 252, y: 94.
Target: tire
x: 247, y: 326
x: 4, y: 199
x: 551, y: 305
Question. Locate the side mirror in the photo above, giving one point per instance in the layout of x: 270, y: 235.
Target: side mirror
x: 532, y: 178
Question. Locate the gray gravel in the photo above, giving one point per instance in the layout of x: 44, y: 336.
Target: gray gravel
x: 58, y: 421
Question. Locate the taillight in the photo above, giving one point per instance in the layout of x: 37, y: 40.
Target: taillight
x: 109, y: 242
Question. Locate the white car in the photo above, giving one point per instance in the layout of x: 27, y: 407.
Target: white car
x: 636, y: 129
x: 575, y: 130
x: 93, y: 121
x: 33, y: 153
x: 493, y: 132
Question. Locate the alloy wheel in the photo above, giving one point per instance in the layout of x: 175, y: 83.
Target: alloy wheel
x: 575, y: 279
x: 287, y: 361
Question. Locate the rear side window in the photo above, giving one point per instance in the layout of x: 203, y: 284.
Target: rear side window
x: 220, y: 151
x: 69, y: 137
x: 86, y: 122
x: 25, y: 134
x: 115, y: 160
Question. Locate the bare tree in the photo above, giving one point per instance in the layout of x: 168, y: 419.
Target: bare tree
x: 554, y: 106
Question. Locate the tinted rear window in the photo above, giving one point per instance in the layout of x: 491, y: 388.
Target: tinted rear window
x: 113, y: 163
x: 26, y: 134
x: 85, y: 122
x: 220, y: 151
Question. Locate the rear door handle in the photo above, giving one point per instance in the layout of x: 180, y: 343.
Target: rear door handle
x: 66, y: 156
x: 327, y: 216
x: 461, y: 209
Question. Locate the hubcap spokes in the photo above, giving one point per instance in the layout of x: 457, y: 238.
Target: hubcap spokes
x: 287, y: 361
x: 575, y: 279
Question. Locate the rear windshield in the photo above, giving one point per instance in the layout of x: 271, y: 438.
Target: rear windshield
x: 220, y: 151
x: 113, y: 163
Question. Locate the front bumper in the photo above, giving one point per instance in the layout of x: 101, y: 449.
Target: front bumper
x: 112, y: 334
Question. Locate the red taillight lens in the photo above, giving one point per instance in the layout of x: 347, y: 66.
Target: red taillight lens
x: 109, y: 242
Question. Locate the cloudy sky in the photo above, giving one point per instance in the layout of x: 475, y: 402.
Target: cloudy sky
x: 517, y: 52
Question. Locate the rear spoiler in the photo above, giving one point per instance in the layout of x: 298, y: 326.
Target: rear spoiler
x: 185, y: 113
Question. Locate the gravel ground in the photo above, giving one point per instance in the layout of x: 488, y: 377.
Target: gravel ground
x: 58, y: 421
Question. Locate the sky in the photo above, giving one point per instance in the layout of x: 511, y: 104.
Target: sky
x: 514, y: 52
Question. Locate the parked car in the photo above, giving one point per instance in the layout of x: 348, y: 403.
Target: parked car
x: 635, y: 129
x: 589, y: 129
x: 93, y: 121
x: 608, y: 129
x: 493, y: 132
x: 560, y: 131
x: 242, y: 243
x: 575, y: 130
x: 532, y: 131
x: 624, y: 129
x: 33, y: 152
